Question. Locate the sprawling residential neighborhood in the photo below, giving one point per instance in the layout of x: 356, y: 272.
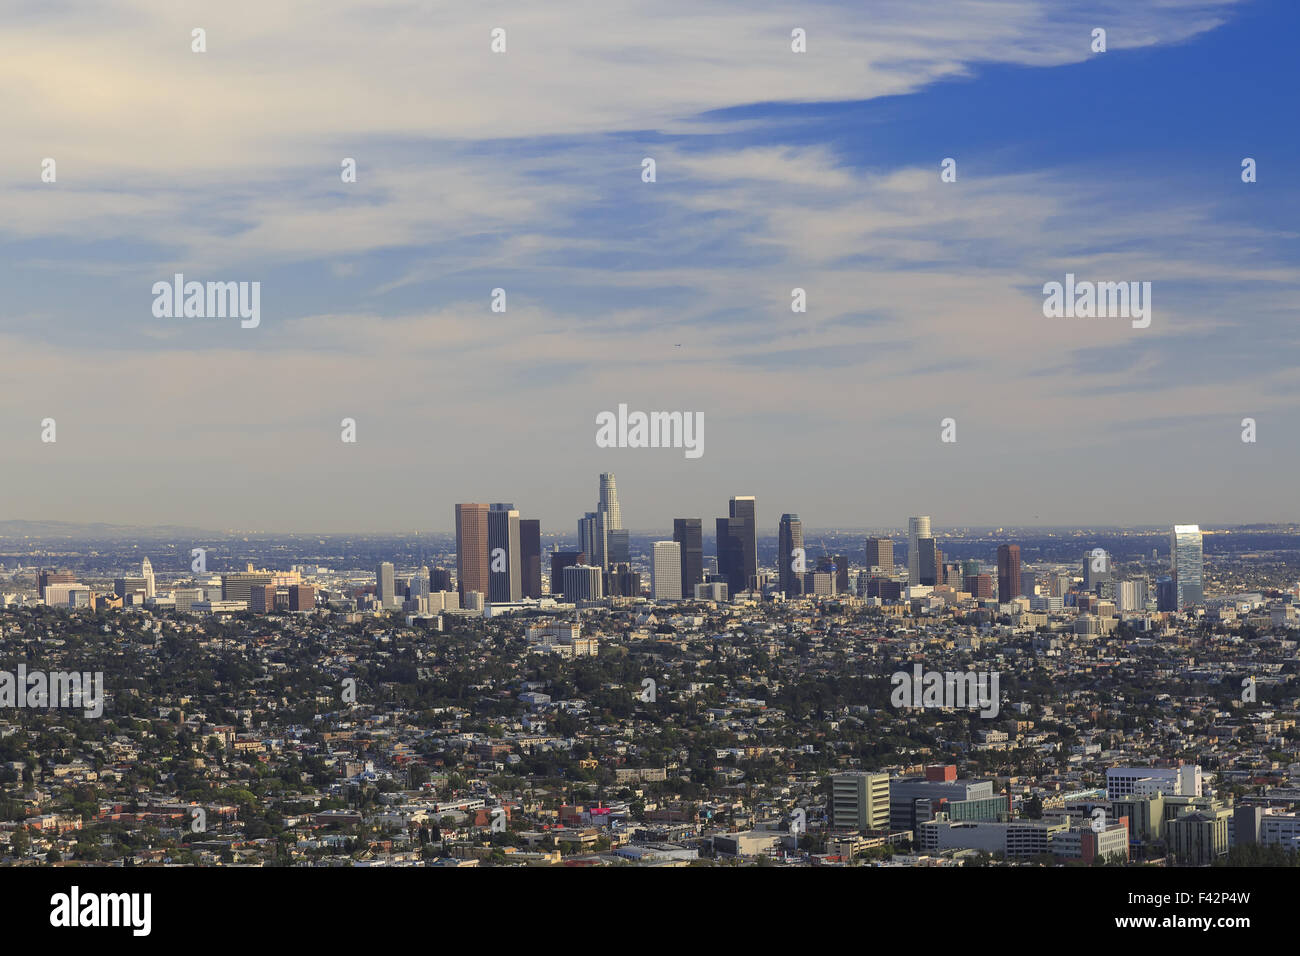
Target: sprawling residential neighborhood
x: 369, y: 717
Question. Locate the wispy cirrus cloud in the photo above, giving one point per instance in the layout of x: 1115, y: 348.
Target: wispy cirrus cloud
x: 522, y: 171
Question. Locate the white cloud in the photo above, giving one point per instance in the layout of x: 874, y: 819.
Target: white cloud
x: 114, y: 88
x: 230, y: 160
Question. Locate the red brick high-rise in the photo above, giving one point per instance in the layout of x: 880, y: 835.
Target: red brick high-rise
x: 302, y: 597
x: 471, y: 549
x: 261, y: 599
x: 1008, y: 572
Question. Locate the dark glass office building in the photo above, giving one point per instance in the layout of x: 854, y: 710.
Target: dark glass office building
x: 930, y: 564
x: 530, y: 553
x: 689, y: 533
x: 738, y: 544
x: 790, y: 540
x: 1008, y: 572
x: 559, y: 561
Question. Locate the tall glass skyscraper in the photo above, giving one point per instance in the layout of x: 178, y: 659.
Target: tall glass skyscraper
x: 618, y: 547
x: 1187, y: 561
x: 917, y: 528
x: 790, y: 539
x: 600, y: 533
x: 505, y: 566
x: 689, y: 533
x: 929, y: 562
x: 609, y: 502
x: 592, y: 538
x: 738, y: 543
x: 530, y: 556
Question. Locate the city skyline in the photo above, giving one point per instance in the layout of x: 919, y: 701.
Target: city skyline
x: 675, y: 576
x: 595, y: 527
x: 710, y: 436
x: 897, y: 531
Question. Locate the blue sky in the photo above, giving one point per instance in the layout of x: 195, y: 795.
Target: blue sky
x: 775, y: 170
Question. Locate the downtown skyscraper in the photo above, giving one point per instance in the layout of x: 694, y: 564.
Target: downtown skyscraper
x: 917, y: 528
x: 789, y: 551
x: 505, y: 574
x: 617, y: 550
x: 609, y: 502
x: 880, y: 554
x: 385, y: 585
x: 689, y: 533
x: 593, y: 539
x: 471, y: 549
x: 930, y: 571
x: 738, y: 544
x: 600, y: 533
x: 1008, y: 572
x: 583, y: 582
x: 1187, y: 562
x: 530, y: 552
x: 559, y: 561
x: 666, y: 571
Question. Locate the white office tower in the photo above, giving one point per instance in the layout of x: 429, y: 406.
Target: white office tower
x: 667, y: 571
x: 917, y: 528
x: 609, y: 502
x: 146, y: 572
x: 385, y: 585
x: 1187, y: 560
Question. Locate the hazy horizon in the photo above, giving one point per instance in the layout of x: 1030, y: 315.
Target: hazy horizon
x: 900, y: 531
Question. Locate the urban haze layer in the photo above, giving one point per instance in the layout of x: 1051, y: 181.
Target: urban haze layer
x: 763, y: 694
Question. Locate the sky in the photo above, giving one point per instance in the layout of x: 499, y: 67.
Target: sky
x: 774, y: 170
